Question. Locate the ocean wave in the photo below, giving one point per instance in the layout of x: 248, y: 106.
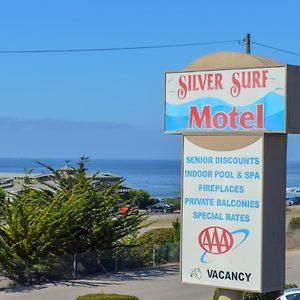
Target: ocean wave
x: 177, y: 116
x: 295, y: 189
x: 273, y: 103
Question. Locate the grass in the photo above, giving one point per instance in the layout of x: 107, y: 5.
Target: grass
x: 292, y: 210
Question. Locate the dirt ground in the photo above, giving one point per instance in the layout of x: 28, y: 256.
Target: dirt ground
x: 6, y: 282
x: 159, y: 220
x: 292, y: 236
x: 292, y: 211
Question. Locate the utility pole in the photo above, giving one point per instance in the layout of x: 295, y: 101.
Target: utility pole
x: 247, y: 43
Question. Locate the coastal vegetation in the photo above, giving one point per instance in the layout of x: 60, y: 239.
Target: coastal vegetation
x: 70, y: 216
x: 2, y: 197
x: 176, y: 202
x: 156, y: 246
x: 106, y: 297
x: 140, y: 198
x: 294, y: 223
x: 161, y: 235
x: 258, y: 296
x: 293, y: 233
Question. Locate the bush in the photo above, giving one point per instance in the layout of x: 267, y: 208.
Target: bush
x: 175, y: 201
x: 259, y: 296
x: 176, y: 227
x: 159, y: 236
x: 106, y: 297
x: 141, y: 255
x: 291, y: 286
x: 67, y: 216
x: 294, y: 223
x: 145, y: 244
x: 139, y: 198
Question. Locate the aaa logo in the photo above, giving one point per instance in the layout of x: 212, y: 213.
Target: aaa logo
x: 215, y: 240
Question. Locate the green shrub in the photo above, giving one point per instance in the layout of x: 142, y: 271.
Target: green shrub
x: 106, y: 297
x: 175, y: 201
x: 153, y: 238
x: 70, y: 215
x: 259, y: 296
x: 176, y: 227
x: 291, y: 286
x: 216, y: 294
x: 139, y: 198
x: 159, y: 236
x: 163, y: 240
x: 294, y: 223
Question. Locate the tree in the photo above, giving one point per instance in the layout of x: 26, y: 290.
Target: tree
x: 140, y: 198
x: 294, y: 223
x: 66, y: 217
x: 2, y: 200
x: 176, y: 227
x: 33, y: 223
x: 2, y: 195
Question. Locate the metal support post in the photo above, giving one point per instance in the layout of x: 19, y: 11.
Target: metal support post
x: 75, y: 266
x: 116, y: 261
x: 153, y: 256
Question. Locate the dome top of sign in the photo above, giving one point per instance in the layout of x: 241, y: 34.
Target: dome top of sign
x: 231, y: 60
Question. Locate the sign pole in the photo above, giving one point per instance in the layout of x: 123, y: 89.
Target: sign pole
x: 230, y: 295
x: 234, y: 112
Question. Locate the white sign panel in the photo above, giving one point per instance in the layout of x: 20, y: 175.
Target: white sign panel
x: 222, y: 214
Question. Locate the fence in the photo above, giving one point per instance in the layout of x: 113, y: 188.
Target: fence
x: 103, y: 262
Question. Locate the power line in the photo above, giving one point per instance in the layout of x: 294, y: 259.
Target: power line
x: 275, y: 48
x: 114, y: 48
x: 41, y: 51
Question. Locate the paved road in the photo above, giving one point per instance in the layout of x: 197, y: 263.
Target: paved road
x: 153, y: 284
x: 293, y: 267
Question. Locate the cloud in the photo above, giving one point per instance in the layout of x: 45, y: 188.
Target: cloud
x: 64, y: 138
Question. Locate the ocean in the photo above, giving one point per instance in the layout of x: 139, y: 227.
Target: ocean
x: 161, y: 178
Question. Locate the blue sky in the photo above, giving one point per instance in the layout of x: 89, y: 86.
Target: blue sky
x: 110, y: 104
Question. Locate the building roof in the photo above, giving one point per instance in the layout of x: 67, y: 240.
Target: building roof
x: 36, y: 181
x: 21, y: 175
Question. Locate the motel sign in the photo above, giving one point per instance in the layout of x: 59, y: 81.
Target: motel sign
x: 234, y: 111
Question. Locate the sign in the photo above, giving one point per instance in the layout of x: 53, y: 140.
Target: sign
x: 222, y: 211
x: 239, y: 100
